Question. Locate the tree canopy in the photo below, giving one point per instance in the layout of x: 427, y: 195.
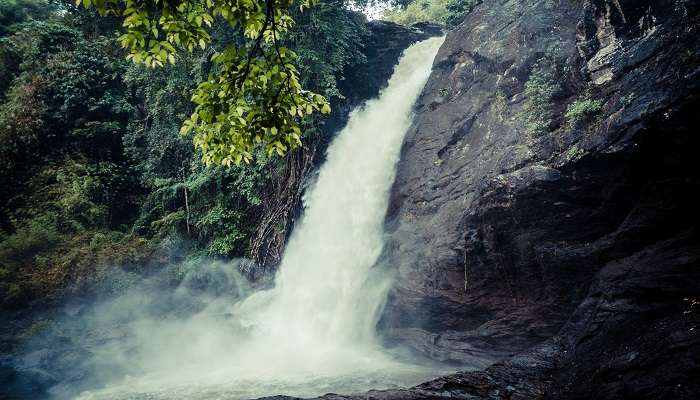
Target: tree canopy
x: 94, y: 171
x: 446, y: 12
x: 253, y: 96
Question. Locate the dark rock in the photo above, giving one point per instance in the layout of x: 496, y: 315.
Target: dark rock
x: 562, y: 257
x: 429, y: 28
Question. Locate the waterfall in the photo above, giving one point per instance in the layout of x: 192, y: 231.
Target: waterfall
x: 323, y: 290
x: 313, y: 332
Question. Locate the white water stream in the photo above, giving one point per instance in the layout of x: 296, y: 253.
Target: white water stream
x: 314, y: 331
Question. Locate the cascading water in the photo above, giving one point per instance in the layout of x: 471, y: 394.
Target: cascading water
x: 325, y: 293
x: 314, y: 331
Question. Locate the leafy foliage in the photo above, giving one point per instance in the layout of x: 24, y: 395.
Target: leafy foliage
x: 253, y: 96
x: 63, y: 208
x: 224, y: 204
x: 542, y: 88
x: 67, y: 99
x: 64, y: 112
x: 95, y: 172
x: 196, y: 206
x: 212, y: 206
x: 259, y: 108
x: 329, y: 40
x: 161, y: 102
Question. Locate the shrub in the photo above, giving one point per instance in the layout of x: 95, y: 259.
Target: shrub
x: 457, y: 10
x: 541, y: 89
x: 29, y: 239
x: 582, y: 110
x: 499, y: 104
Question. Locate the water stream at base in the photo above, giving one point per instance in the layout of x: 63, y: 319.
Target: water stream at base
x: 314, y: 331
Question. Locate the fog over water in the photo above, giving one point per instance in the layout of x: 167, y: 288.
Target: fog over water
x: 314, y: 331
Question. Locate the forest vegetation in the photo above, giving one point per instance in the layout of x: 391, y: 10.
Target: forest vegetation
x: 94, y: 170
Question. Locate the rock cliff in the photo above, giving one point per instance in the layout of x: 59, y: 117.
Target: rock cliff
x: 543, y: 216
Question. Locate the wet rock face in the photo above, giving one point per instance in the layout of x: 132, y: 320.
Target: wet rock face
x: 543, y: 196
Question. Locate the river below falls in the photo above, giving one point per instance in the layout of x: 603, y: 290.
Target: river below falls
x: 301, y: 385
